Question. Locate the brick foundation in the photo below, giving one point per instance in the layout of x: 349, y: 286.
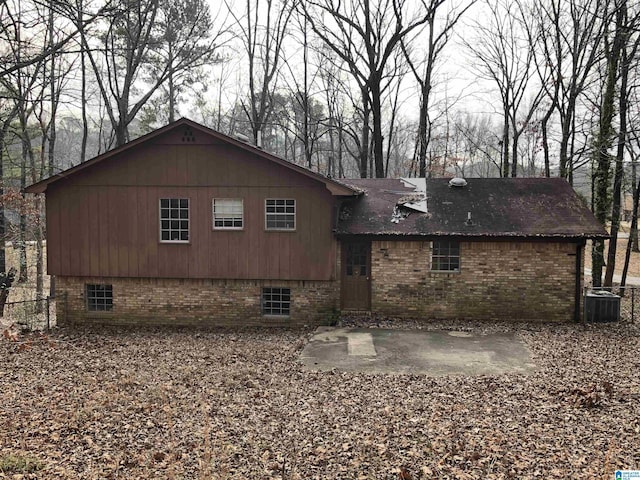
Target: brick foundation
x: 195, y: 302
x: 497, y: 280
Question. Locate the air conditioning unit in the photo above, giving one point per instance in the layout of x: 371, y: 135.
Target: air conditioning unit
x: 601, y: 306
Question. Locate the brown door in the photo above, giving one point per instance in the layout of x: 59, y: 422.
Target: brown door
x: 356, y: 276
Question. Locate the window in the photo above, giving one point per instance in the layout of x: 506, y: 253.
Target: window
x: 99, y: 298
x: 276, y: 301
x: 228, y: 213
x: 356, y: 261
x: 445, y: 256
x: 174, y: 219
x: 280, y: 214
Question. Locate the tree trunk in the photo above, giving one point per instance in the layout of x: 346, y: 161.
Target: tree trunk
x: 39, y: 255
x: 602, y: 144
x: 545, y: 143
x: 22, y: 234
x: 172, y: 88
x: 505, y: 146
x: 634, y: 226
x: 376, y: 107
x: 617, y: 179
x: 364, y: 148
x: 422, y: 137
x: 53, y: 100
x: 6, y: 280
x: 633, y: 231
x: 514, y: 155
x: 83, y: 81
x: 3, y: 133
x: 564, y: 147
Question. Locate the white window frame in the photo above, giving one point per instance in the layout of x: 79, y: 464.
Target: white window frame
x: 268, y: 214
x: 448, y: 256
x: 229, y: 216
x: 180, y: 229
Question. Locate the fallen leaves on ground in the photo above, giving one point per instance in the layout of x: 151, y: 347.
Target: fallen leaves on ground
x: 184, y: 404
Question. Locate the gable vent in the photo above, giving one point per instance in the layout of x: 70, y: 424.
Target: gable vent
x: 187, y: 136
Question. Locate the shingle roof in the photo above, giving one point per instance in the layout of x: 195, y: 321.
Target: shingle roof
x: 499, y: 207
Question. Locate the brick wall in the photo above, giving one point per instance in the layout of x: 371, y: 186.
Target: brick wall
x: 195, y: 302
x: 497, y: 280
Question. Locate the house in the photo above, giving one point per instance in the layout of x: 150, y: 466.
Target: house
x: 189, y: 226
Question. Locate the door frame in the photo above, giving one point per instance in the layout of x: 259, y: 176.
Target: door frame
x: 344, y: 242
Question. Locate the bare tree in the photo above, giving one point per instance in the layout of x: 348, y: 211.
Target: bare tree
x: 567, y: 49
x: 628, y: 51
x: 23, y: 87
x: 10, y: 10
x: 505, y: 57
x: 131, y: 64
x: 262, y: 28
x: 330, y: 81
x: 185, y: 38
x: 437, y: 36
x: 364, y: 34
x: 605, y: 135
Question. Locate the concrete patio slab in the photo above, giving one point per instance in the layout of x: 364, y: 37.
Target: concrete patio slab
x: 432, y: 353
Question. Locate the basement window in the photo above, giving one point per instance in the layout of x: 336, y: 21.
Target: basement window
x: 99, y: 297
x: 276, y: 301
x: 228, y: 213
x: 174, y: 220
x: 445, y: 256
x: 280, y: 214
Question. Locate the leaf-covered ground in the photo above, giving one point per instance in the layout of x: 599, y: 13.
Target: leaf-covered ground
x: 184, y: 404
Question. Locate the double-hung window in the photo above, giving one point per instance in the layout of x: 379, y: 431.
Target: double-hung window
x: 228, y: 214
x: 445, y: 256
x: 280, y: 214
x: 174, y: 220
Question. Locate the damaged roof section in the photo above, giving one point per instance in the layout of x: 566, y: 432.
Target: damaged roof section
x: 495, y: 207
x: 418, y: 199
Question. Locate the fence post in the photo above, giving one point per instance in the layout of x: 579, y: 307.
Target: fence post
x: 633, y: 303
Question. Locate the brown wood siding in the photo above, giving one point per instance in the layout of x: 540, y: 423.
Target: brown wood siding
x: 104, y: 221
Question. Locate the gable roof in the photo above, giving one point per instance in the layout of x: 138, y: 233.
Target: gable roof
x: 499, y: 207
x: 336, y: 188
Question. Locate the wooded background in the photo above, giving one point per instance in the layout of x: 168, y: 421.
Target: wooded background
x: 357, y: 88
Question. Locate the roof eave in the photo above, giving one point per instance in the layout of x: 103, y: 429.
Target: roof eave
x: 501, y: 235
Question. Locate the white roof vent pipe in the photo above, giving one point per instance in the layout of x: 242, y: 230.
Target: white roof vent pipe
x: 259, y: 139
x: 457, y: 182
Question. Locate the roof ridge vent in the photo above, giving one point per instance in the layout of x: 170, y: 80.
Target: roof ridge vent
x: 457, y: 182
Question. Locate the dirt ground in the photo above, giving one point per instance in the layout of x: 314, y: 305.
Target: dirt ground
x: 621, y: 246
x: 184, y: 404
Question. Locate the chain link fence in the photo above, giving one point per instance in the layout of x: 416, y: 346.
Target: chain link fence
x: 30, y: 315
x: 25, y: 310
